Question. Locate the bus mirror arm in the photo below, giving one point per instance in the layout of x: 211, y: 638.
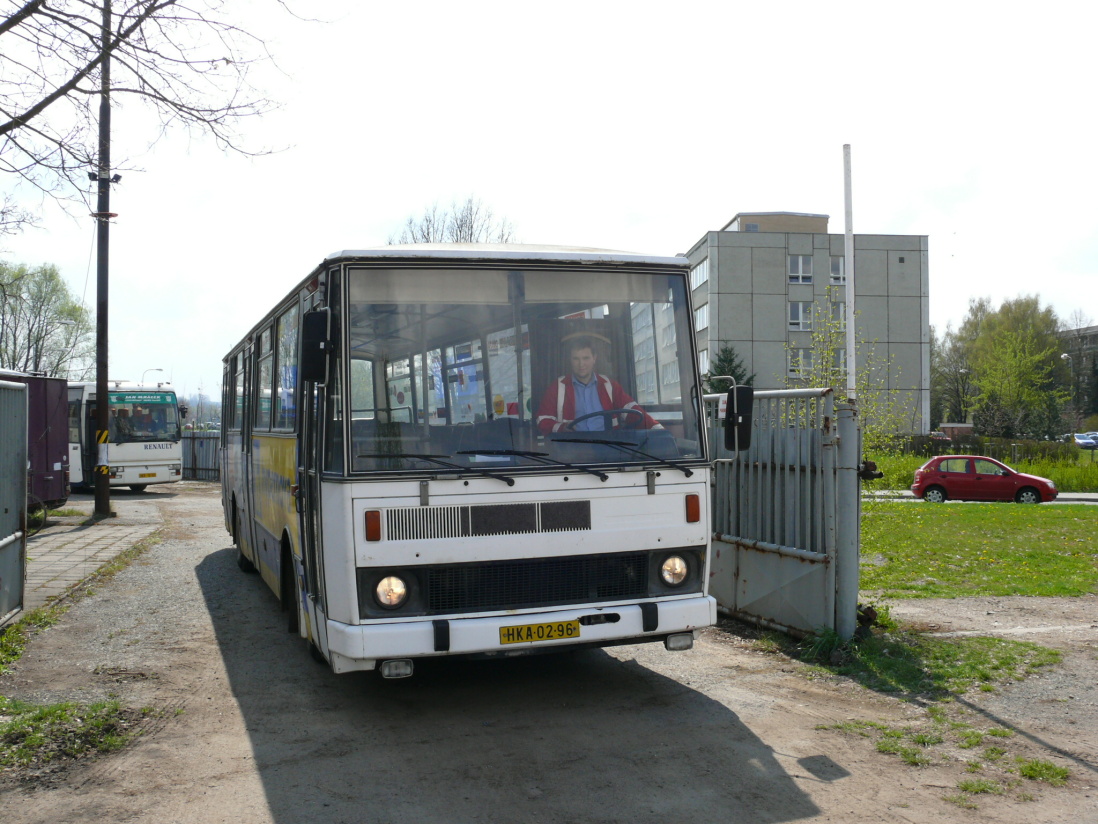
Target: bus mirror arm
x: 737, y: 421
x: 316, y: 344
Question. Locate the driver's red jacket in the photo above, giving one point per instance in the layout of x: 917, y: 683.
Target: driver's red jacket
x: 558, y: 405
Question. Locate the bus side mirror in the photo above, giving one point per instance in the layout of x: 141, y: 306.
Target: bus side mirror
x: 315, y: 346
x: 183, y: 411
x: 737, y: 420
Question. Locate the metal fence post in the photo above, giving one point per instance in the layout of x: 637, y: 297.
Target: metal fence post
x: 847, y: 544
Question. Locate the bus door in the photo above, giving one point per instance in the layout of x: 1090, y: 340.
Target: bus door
x: 308, y: 508
x: 244, y: 526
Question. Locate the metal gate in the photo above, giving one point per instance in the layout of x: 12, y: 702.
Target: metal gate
x: 201, y: 455
x: 786, y: 514
x: 13, y: 498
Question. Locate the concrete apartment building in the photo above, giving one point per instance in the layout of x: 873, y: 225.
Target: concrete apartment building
x: 755, y: 281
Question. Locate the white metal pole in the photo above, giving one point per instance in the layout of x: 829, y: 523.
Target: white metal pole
x: 848, y: 263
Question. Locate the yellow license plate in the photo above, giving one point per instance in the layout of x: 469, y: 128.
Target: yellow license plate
x: 529, y: 633
x: 147, y: 475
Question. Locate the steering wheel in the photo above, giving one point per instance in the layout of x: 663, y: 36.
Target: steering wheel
x: 607, y: 414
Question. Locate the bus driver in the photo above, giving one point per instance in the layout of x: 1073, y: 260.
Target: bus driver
x: 585, y: 392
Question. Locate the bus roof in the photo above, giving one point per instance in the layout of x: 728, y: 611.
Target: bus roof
x: 504, y: 251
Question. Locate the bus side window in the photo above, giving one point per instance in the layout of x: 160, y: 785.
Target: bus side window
x: 285, y: 391
x: 263, y: 385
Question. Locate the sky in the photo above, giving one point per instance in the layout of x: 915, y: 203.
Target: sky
x: 637, y: 126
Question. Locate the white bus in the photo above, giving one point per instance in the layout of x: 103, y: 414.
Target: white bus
x: 473, y: 450
x: 144, y: 442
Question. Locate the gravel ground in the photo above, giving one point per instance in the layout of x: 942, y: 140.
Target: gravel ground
x: 248, y: 729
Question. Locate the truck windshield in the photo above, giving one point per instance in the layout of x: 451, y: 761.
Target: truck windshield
x: 478, y: 366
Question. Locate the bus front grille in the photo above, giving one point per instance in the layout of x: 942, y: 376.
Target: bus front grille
x: 535, y: 582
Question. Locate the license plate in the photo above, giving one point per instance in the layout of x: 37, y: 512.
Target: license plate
x: 147, y: 475
x: 529, y: 633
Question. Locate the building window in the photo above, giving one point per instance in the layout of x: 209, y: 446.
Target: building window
x: 838, y: 313
x: 699, y: 274
x: 800, y: 316
x: 669, y: 373
x: 703, y: 360
x: 751, y: 227
x: 838, y: 269
x: 839, y: 361
x: 800, y: 268
x: 701, y: 317
x: 800, y: 362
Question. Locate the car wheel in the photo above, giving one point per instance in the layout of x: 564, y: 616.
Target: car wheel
x: 935, y: 495
x: 1028, y: 495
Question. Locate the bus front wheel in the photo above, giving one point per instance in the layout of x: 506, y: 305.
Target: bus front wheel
x: 138, y: 487
x: 241, y: 559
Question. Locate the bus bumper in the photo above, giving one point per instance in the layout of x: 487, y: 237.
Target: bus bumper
x: 362, y: 647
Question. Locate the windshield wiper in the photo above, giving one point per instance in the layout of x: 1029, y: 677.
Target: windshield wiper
x: 438, y: 460
x: 536, y: 456
x: 627, y: 448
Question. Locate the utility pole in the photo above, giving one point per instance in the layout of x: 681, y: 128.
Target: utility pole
x: 103, y: 215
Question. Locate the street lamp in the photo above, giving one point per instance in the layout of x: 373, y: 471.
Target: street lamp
x: 147, y: 371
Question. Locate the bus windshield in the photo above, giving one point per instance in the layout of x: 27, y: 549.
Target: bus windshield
x: 143, y: 416
x: 510, y: 368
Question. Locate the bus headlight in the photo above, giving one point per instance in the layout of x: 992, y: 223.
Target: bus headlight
x: 391, y: 592
x: 674, y: 570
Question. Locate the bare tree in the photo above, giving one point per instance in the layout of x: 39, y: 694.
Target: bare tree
x: 183, y: 58
x: 1078, y: 320
x: 468, y: 222
x: 43, y: 327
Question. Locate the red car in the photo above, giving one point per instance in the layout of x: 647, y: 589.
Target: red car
x: 975, y: 478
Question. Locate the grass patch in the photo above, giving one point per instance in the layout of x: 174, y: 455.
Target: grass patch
x: 909, y: 755
x: 976, y: 786
x: 941, y: 738
x: 14, y: 637
x: 961, y: 800
x: 32, y: 736
x: 909, y: 663
x: 1037, y: 770
x: 931, y: 551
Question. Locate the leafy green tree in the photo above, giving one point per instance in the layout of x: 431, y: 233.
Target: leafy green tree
x: 952, y: 388
x: 1013, y: 353
x: 727, y: 362
x: 1017, y: 394
x: 43, y: 327
x: 882, y: 413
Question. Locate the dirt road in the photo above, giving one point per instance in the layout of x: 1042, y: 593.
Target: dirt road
x: 249, y: 729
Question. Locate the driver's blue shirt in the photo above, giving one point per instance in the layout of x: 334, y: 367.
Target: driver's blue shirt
x: 587, y: 401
